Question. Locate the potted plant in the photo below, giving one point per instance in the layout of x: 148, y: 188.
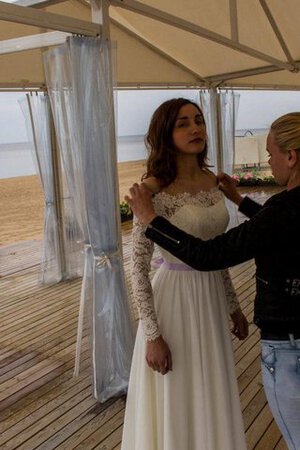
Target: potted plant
x: 125, y: 211
x: 253, y: 178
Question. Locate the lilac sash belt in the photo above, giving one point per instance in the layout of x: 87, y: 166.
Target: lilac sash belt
x: 176, y: 266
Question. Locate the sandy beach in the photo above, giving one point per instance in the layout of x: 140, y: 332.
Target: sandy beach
x: 22, y: 203
x: 22, y: 209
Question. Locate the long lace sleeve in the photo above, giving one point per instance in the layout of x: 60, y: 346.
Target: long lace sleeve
x: 141, y: 286
x: 231, y: 297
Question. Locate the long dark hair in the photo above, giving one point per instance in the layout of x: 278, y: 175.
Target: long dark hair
x: 161, y: 162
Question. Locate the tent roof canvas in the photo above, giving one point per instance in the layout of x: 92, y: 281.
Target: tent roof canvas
x: 195, y: 43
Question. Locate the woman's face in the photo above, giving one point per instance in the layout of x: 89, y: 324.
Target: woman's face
x: 278, y: 161
x: 189, y: 133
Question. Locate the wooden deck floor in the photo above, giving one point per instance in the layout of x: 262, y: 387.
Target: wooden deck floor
x: 42, y: 406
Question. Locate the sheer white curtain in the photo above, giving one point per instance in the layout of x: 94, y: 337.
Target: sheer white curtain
x: 229, y: 108
x: 58, y: 76
x: 208, y: 107
x: 229, y: 102
x: 35, y: 108
x: 220, y: 110
x: 79, y: 80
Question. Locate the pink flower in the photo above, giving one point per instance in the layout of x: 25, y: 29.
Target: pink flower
x: 248, y: 176
x: 235, y: 177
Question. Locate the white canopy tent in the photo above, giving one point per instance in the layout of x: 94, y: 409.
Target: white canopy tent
x: 236, y: 43
x: 166, y: 43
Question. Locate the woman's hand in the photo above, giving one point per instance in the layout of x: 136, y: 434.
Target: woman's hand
x: 240, y: 324
x: 228, y: 186
x: 140, y: 201
x: 158, y: 355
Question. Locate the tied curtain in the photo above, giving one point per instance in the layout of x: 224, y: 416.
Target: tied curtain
x: 36, y: 110
x: 79, y: 79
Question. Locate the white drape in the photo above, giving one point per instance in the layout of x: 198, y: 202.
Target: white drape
x: 229, y: 102
x: 229, y: 108
x: 79, y: 79
x: 208, y: 107
x: 221, y: 134
x: 36, y: 112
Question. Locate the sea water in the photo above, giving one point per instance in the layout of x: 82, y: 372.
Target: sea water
x: 17, y: 159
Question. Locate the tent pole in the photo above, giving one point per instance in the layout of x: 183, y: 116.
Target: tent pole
x: 219, y: 135
x: 34, y: 139
x: 57, y: 187
x: 100, y: 16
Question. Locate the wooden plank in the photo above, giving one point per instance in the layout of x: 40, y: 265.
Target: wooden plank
x: 40, y: 431
x: 79, y: 431
x: 281, y: 445
x: 38, y: 399
x: 15, y: 366
x: 249, y: 380
x: 17, y: 389
x: 15, y: 426
x: 14, y: 258
x: 252, y: 389
x: 255, y: 432
x: 96, y: 439
x: 270, y: 438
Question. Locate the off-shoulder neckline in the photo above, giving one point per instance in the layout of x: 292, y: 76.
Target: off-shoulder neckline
x: 190, y: 194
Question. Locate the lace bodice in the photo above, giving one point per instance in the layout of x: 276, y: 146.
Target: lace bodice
x: 203, y: 215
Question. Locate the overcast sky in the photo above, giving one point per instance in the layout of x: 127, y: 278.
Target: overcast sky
x: 257, y: 109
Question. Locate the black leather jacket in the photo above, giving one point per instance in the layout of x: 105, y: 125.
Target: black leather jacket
x: 271, y: 236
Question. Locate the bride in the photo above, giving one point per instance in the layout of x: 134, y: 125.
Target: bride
x: 182, y: 391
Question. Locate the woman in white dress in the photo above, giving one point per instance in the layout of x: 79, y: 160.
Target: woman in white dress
x: 183, y: 391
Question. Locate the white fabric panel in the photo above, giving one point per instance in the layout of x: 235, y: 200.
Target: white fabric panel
x: 262, y: 151
x: 229, y: 109
x: 79, y: 78
x: 208, y: 106
x: 36, y: 112
x: 246, y: 151
x: 251, y: 150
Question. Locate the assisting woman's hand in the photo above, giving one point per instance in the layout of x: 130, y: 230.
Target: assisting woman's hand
x: 158, y: 355
x: 140, y: 201
x: 240, y: 324
x: 228, y: 186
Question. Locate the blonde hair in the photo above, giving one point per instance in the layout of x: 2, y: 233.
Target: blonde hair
x: 286, y: 131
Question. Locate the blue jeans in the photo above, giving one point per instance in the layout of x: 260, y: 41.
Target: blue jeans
x: 280, y: 363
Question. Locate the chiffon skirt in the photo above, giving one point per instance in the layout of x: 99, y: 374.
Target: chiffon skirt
x: 196, y: 406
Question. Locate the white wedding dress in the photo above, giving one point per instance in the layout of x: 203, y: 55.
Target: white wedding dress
x: 196, y: 406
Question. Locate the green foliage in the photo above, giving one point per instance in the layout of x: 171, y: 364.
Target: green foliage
x: 125, y: 211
